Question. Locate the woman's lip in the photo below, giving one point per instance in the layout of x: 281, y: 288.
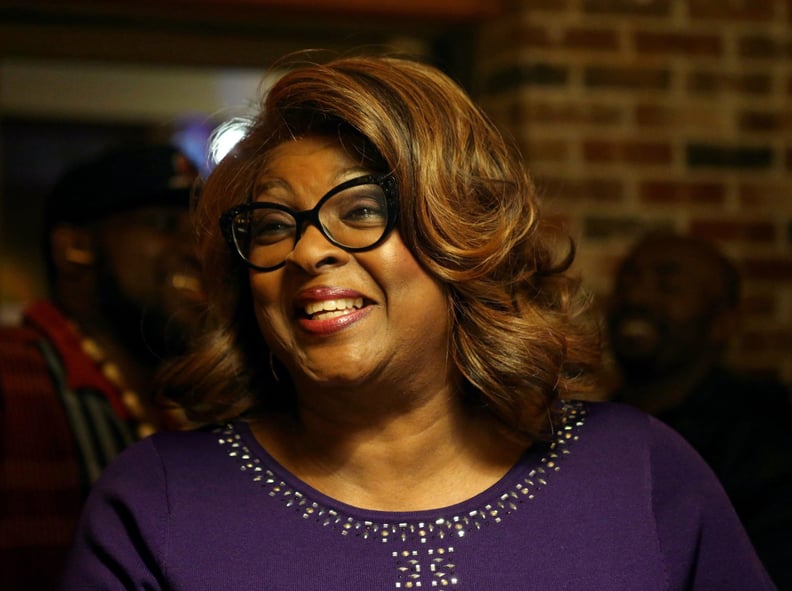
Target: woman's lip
x: 331, y: 325
x: 316, y: 324
x: 320, y: 293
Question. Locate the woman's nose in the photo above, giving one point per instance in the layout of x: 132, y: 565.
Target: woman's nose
x: 313, y: 251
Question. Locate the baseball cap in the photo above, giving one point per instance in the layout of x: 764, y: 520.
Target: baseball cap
x: 122, y: 179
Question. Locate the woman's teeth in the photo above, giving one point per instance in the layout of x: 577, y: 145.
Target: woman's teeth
x: 332, y: 308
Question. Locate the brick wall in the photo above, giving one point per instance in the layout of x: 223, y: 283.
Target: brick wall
x: 639, y: 114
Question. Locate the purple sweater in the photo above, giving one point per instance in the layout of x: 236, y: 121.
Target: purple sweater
x: 617, y: 502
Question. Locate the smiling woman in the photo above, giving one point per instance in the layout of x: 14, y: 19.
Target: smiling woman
x: 389, y: 387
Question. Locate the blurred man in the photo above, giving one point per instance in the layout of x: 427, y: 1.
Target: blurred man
x: 76, y: 376
x: 671, y: 317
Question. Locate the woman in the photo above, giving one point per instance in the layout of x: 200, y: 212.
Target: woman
x: 396, y: 334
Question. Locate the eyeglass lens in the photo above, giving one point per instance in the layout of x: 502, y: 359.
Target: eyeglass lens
x: 353, y: 218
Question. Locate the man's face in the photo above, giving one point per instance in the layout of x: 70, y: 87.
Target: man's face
x: 148, y: 279
x: 662, y: 308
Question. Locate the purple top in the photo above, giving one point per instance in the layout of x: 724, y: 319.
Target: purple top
x: 617, y: 502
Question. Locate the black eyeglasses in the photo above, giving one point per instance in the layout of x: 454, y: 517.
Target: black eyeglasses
x: 356, y: 215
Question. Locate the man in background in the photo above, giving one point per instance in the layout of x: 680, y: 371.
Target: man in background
x: 76, y: 375
x: 672, y: 315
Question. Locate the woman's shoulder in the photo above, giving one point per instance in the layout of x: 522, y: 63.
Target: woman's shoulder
x: 633, y: 446
x: 623, y: 433
x: 169, y: 453
x: 611, y: 412
x: 177, y: 442
x: 614, y: 422
x: 623, y: 454
x: 618, y: 420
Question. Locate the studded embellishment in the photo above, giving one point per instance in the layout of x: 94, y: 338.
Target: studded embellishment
x: 430, y: 562
x: 435, y: 565
x: 452, y: 526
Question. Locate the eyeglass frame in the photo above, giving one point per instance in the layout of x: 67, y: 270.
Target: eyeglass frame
x: 387, y: 182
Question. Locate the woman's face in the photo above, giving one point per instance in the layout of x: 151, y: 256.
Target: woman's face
x: 336, y: 318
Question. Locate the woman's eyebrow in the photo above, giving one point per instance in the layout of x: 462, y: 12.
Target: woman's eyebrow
x: 263, y: 186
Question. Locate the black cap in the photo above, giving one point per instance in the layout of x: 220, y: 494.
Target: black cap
x: 122, y: 179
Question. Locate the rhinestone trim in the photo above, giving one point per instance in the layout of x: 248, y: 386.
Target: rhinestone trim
x: 454, y: 526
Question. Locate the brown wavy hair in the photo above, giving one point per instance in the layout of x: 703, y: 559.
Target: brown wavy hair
x: 469, y: 213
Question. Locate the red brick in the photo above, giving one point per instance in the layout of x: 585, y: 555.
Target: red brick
x: 732, y: 10
x: 513, y: 115
x: 597, y: 227
x: 628, y: 7
x: 688, y: 117
x: 716, y: 155
x: 601, y: 151
x: 648, y: 152
x: 515, y: 76
x: 569, y: 113
x: 653, y: 115
x: 595, y: 190
x: 758, y: 306
x: 636, y: 152
x: 677, y: 43
x: 768, y: 269
x: 530, y: 36
x: 734, y: 230
x: 629, y: 78
x: 544, y: 150
x: 761, y: 47
x: 758, y: 196
x: 599, y: 39
x: 537, y: 5
x: 681, y: 192
x: 702, y: 81
x: 763, y: 121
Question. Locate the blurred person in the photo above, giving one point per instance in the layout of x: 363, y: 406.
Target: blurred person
x: 395, y: 350
x: 673, y: 312
x: 75, y: 375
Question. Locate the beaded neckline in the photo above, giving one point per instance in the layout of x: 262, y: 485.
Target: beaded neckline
x: 493, y: 508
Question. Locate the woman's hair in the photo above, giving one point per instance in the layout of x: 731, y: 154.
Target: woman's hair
x: 468, y: 213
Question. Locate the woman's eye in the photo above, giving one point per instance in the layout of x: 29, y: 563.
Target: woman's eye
x: 271, y: 228
x: 363, y: 206
x: 363, y: 211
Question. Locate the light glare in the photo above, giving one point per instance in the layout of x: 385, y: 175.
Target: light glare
x: 225, y: 137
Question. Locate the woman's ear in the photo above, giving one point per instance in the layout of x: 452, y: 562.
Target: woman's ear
x: 72, y: 247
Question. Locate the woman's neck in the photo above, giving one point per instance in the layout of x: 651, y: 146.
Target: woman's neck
x: 431, y: 452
